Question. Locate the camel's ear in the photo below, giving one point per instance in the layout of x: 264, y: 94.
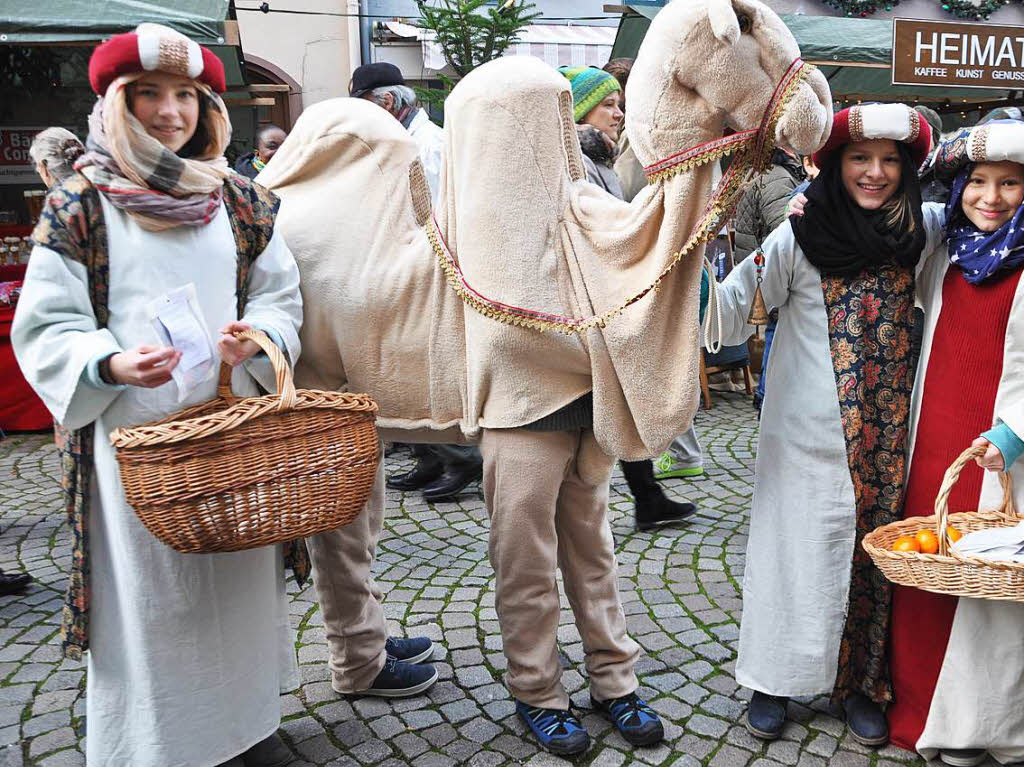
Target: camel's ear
x: 723, y: 21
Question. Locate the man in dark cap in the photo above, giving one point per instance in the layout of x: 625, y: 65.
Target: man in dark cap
x: 441, y: 471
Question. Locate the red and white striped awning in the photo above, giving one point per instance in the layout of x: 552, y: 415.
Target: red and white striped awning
x: 558, y: 45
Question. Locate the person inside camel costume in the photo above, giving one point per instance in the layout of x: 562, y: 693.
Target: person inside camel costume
x: 520, y: 312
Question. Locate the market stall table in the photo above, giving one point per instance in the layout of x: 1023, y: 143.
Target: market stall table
x: 20, y: 408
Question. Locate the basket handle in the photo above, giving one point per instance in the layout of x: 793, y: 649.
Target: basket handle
x: 285, y: 384
x: 1007, y: 507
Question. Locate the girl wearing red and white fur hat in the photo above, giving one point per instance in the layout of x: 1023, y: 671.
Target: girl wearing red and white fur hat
x: 958, y: 664
x: 830, y: 460
x: 144, y: 263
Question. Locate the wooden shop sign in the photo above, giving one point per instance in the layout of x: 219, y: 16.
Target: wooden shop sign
x: 957, y: 54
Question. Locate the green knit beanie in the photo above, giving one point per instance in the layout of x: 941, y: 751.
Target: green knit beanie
x: 589, y: 87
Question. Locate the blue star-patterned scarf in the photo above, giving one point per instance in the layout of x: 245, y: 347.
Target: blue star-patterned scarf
x: 980, y: 255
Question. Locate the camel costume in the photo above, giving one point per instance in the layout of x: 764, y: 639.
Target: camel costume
x: 523, y: 238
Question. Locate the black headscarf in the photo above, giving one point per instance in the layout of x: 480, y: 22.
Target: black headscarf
x: 841, y: 238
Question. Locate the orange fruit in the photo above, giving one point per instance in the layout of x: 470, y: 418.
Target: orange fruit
x: 906, y: 543
x: 928, y: 541
x: 954, y: 534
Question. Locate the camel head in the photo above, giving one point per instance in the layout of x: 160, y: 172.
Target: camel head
x: 710, y: 64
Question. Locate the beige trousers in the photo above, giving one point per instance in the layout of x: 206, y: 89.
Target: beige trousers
x: 350, y: 600
x: 547, y: 495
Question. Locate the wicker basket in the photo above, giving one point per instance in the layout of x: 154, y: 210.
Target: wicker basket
x: 949, y: 572
x: 238, y: 473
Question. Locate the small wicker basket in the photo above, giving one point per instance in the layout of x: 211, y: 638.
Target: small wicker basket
x: 949, y: 572
x: 238, y: 473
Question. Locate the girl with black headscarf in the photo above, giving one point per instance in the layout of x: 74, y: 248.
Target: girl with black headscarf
x: 831, y: 455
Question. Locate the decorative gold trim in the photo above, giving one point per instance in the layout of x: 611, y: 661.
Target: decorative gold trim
x: 856, y: 124
x: 753, y: 156
x: 915, y: 125
x: 977, y: 144
x: 570, y: 141
x: 419, y: 190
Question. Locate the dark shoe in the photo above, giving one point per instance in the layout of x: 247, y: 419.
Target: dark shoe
x: 422, y: 474
x: 13, y: 583
x: 557, y: 731
x: 766, y: 715
x: 633, y: 718
x: 660, y: 511
x: 236, y: 762
x: 963, y: 757
x: 399, y: 679
x: 269, y: 752
x: 411, y: 650
x: 451, y: 483
x: 653, y: 507
x: 866, y: 720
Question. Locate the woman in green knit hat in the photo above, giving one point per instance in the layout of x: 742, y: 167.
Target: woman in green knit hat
x: 597, y: 100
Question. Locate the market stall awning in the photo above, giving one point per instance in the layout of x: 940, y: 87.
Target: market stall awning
x: 557, y: 44
x: 854, y: 54
x: 67, y: 21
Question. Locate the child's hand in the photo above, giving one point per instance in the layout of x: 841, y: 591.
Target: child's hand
x: 235, y: 351
x: 993, y: 459
x: 796, y: 205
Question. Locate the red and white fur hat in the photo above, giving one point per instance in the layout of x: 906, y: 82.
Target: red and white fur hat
x: 150, y: 48
x: 872, y: 121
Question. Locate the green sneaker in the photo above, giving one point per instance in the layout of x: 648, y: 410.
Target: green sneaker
x: 665, y: 467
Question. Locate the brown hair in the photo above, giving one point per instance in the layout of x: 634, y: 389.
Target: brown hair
x: 619, y: 69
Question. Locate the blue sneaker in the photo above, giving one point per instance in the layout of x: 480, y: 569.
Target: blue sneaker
x: 633, y: 718
x: 410, y: 650
x: 401, y: 680
x: 560, y: 732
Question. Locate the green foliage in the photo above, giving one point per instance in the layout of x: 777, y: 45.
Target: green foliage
x: 471, y: 34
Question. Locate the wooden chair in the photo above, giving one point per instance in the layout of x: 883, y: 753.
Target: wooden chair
x: 705, y: 371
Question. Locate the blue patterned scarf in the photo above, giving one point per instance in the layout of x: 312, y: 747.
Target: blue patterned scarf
x: 980, y: 255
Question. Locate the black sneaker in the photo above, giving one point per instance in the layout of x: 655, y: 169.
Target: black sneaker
x: 558, y: 731
x: 410, y: 650
x: 633, y: 718
x: 401, y: 680
x: 766, y: 715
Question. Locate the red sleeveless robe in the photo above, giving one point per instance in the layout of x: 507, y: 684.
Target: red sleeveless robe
x: 964, y: 369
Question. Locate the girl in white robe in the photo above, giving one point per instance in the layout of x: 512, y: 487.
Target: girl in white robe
x: 187, y: 652
x: 833, y: 427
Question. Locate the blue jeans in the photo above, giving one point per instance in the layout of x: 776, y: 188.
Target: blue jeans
x: 769, y: 334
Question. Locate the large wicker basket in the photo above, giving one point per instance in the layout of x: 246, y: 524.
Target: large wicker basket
x: 237, y: 473
x: 949, y: 572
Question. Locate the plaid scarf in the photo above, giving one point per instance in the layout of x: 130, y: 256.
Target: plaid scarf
x: 139, y: 175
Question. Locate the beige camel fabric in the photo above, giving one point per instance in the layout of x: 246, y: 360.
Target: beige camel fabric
x: 527, y: 231
x: 559, y: 519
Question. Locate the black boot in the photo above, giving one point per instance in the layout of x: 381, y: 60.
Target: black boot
x: 653, y: 507
x: 428, y: 468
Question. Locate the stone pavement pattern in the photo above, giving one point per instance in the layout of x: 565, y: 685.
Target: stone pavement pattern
x: 680, y: 589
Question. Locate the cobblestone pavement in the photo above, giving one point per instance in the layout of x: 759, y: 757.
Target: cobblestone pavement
x: 680, y: 589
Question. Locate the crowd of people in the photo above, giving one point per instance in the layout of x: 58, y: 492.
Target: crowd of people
x: 188, y: 653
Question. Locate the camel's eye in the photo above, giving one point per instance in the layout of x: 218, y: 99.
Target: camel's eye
x: 745, y: 23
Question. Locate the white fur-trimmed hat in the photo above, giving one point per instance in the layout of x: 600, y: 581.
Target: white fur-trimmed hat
x: 993, y: 141
x: 897, y: 122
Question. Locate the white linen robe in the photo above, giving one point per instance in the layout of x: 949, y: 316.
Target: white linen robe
x: 803, y: 512
x: 979, y: 697
x: 188, y: 652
